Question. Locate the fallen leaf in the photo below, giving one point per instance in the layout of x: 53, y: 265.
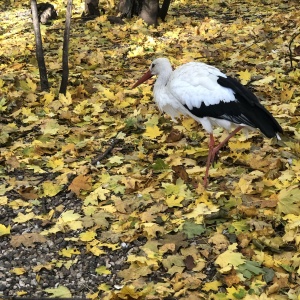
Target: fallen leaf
x: 27, y: 240
x: 80, y: 182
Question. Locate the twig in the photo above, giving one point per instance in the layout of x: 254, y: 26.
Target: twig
x: 290, y: 48
x: 106, y: 152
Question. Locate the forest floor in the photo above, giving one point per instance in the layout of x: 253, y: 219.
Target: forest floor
x: 101, y: 195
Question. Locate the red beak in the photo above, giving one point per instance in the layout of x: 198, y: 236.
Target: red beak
x: 146, y: 76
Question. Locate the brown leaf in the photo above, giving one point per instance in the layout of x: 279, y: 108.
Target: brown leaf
x: 248, y: 211
x: 27, y: 239
x: 28, y: 193
x: 180, y: 172
x: 178, y: 239
x: 189, y: 262
x: 297, y: 50
x: 174, y: 136
x: 231, y: 279
x: 244, y: 240
x: 79, y: 183
x: 13, y: 162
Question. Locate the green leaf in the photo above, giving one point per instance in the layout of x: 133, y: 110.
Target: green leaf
x: 240, y: 294
x: 250, y: 268
x: 269, y: 274
x: 2, y: 104
x: 239, y: 227
x: 159, y: 165
x: 192, y: 229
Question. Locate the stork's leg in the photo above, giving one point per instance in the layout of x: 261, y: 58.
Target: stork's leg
x: 214, y: 150
x: 209, y: 158
x: 217, y: 148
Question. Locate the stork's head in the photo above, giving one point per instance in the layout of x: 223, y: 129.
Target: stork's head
x: 158, y: 67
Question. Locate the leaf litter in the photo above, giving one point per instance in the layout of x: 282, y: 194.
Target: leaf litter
x: 110, y: 190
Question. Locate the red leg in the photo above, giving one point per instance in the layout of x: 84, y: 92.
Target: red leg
x: 214, y: 150
x: 209, y: 158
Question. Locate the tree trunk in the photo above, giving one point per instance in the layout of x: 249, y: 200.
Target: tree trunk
x: 91, y: 9
x: 39, y: 47
x: 65, y: 61
x: 164, y: 9
x: 150, y: 10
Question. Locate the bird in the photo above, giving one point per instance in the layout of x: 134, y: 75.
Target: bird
x: 211, y: 98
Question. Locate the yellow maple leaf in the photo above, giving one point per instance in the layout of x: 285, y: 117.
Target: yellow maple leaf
x: 48, y: 98
x: 21, y: 218
x: 51, y: 189
x: 81, y: 108
x: 89, y: 210
x: 289, y: 200
x: 152, y: 229
x: 4, y: 230
x: 109, y: 245
x: 59, y: 292
x: 38, y: 268
x: 245, y: 185
x: 21, y: 293
x: 152, y: 132
x: 68, y: 252
x: 65, y: 100
x: 229, y: 259
x: 173, y: 201
x: 95, y: 250
x: 50, y: 126
x: 264, y: 81
x: 99, y: 193
x: 102, y: 270
x: 28, y: 85
x: 55, y: 163
x: 67, y: 220
x: 202, y: 209
x: 108, y: 94
x: 189, y: 123
x: 212, y: 286
x: 30, y: 119
x: 245, y: 76
x: 237, y: 145
x: 287, y: 93
x: 18, y: 271
x: 116, y: 160
x: 3, y: 200
x: 69, y: 216
x: 87, y: 236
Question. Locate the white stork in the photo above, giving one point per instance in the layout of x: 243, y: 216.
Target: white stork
x: 211, y: 98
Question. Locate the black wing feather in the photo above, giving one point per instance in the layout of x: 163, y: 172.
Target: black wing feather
x: 246, y: 110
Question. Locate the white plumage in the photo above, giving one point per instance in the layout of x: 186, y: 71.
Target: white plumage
x: 210, y: 97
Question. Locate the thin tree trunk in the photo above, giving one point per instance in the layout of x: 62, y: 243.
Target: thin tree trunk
x: 65, y: 60
x: 39, y: 47
x: 164, y: 9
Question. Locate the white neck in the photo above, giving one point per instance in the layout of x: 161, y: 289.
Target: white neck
x: 163, y: 78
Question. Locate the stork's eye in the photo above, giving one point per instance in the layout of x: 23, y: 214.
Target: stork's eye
x: 153, y: 65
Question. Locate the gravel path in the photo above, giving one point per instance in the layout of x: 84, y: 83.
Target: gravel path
x: 77, y: 277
